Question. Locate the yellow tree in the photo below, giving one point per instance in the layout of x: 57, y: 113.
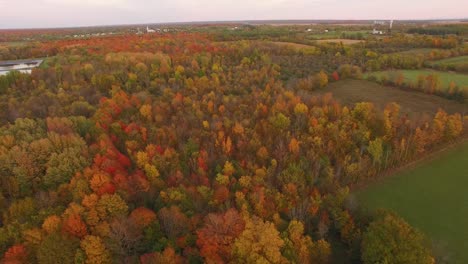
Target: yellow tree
x: 297, y: 246
x: 300, y: 248
x: 95, y: 250
x: 51, y: 224
x: 258, y: 243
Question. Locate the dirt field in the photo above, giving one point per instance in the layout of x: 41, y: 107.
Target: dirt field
x: 415, y: 104
x: 292, y: 44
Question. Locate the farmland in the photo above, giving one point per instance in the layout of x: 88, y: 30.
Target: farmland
x: 292, y: 44
x: 454, y: 60
x: 424, y: 51
x: 344, y: 41
x: 415, y: 104
x: 411, y: 76
x: 339, y: 34
x: 431, y: 196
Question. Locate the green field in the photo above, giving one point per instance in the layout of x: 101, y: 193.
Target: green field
x: 432, y: 197
x: 445, y: 77
x: 423, y: 51
x: 338, y: 34
x: 452, y: 61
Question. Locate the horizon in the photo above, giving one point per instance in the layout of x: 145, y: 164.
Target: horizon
x: 43, y: 14
x: 233, y: 22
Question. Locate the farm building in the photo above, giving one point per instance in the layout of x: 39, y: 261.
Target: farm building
x: 24, y: 66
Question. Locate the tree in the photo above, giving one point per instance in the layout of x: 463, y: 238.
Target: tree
x: 142, y: 217
x: 16, y: 254
x: 95, y: 250
x: 321, y: 252
x: 168, y: 256
x: 294, y: 146
x: 21, y: 211
x: 454, y: 126
x: 110, y: 206
x: 57, y: 248
x: 124, y: 238
x: 376, y: 150
x: 322, y: 79
x: 258, y: 243
x: 62, y: 166
x: 216, y: 238
x: 335, y: 76
x: 173, y: 221
x: 51, y: 224
x: 389, y: 239
x: 297, y: 246
x: 300, y: 248
x: 74, y: 226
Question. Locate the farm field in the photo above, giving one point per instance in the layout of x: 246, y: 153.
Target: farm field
x: 445, y: 77
x: 423, y: 51
x: 454, y: 61
x: 432, y: 197
x: 291, y: 44
x: 13, y: 43
x: 344, y: 41
x: 297, y: 46
x: 337, y: 34
x: 415, y: 104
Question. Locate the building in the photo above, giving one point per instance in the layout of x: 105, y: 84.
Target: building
x: 149, y: 30
x: 380, y: 27
x: 377, y: 32
x: 24, y: 66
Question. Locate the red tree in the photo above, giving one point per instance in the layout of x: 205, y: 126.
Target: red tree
x: 215, y: 239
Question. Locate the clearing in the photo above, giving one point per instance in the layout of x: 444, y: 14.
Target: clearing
x: 412, y: 76
x: 432, y: 197
x: 415, y: 104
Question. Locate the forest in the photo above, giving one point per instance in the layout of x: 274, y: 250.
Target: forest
x: 213, y: 146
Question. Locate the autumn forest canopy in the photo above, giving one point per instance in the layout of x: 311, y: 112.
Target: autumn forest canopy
x: 216, y: 144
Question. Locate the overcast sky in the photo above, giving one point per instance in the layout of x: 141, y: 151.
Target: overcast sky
x: 67, y: 13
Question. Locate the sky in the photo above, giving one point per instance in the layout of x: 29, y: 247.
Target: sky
x: 70, y: 13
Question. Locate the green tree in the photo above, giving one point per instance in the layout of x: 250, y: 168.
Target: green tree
x: 57, y: 248
x: 62, y: 166
x: 376, y: 150
x: 389, y: 239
